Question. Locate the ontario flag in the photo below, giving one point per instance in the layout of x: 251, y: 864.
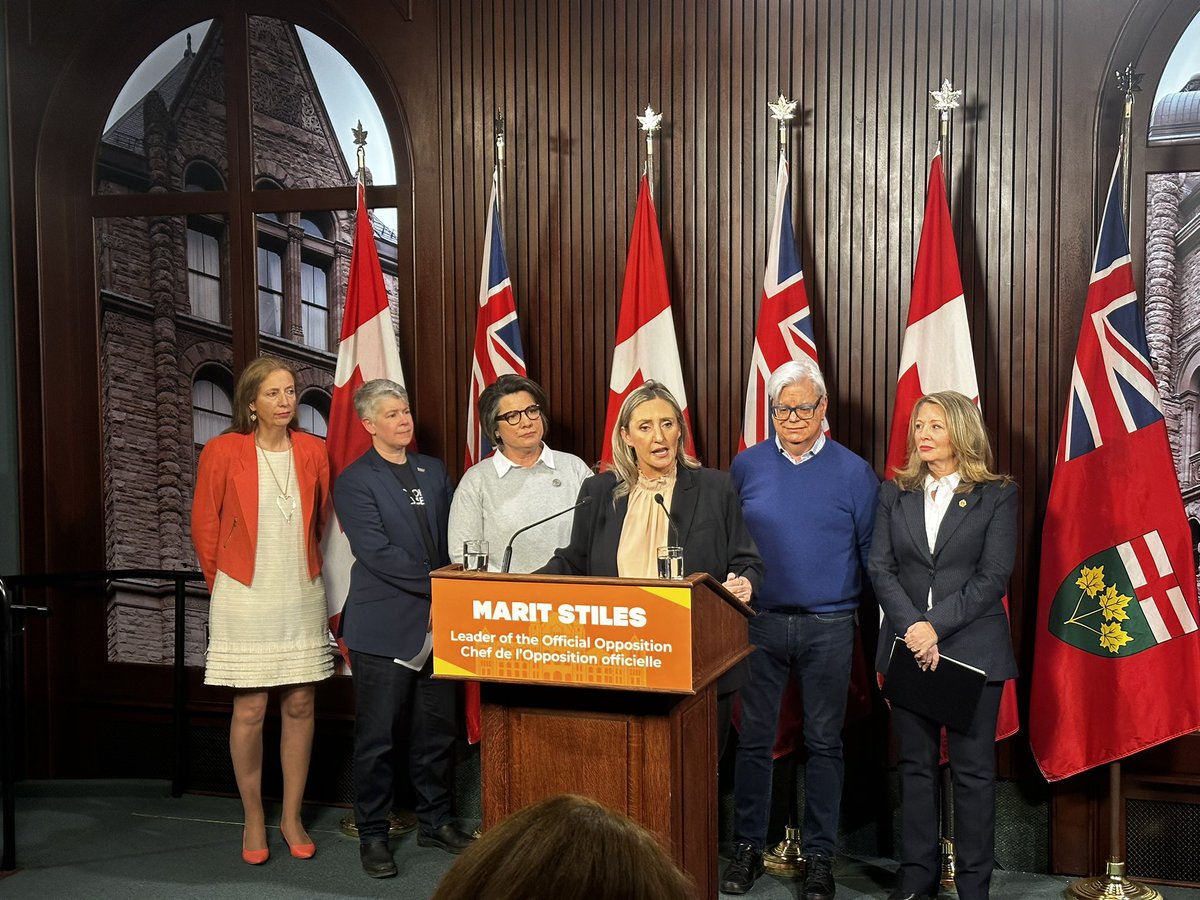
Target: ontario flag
x: 498, y: 348
x: 646, y: 347
x: 785, y: 326
x: 936, y: 352
x: 367, y: 350
x: 1116, y: 664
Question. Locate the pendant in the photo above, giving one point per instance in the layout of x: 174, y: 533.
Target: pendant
x: 287, y: 506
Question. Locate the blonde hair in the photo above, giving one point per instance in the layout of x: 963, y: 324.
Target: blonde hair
x: 625, y: 457
x: 968, y: 440
x: 246, y: 392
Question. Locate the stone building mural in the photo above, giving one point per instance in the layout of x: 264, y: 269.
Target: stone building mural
x: 1172, y: 300
x: 166, y: 311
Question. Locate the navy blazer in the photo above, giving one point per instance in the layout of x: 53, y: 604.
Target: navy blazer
x: 708, y: 522
x: 387, y: 607
x: 968, y: 572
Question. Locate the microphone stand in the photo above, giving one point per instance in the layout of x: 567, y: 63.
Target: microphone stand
x: 507, y: 561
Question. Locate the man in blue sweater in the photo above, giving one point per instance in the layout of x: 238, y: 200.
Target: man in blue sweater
x: 809, y: 504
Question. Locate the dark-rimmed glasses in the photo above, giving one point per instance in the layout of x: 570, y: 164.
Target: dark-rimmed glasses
x: 532, y: 413
x: 803, y: 412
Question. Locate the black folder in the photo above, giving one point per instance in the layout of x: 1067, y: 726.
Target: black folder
x: 947, y: 695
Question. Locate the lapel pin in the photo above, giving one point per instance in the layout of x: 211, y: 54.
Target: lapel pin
x: 962, y: 503
x: 419, y: 469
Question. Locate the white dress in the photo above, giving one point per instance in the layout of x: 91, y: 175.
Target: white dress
x: 274, y: 631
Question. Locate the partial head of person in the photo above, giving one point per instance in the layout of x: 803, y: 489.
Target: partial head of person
x: 796, y: 392
x: 565, y: 848
x: 265, y: 397
x: 382, y: 407
x: 513, y: 412
x: 946, y: 434
x: 650, y: 436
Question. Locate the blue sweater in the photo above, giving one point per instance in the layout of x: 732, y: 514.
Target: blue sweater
x: 812, y: 523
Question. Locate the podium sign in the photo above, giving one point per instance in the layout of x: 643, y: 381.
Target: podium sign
x: 628, y: 634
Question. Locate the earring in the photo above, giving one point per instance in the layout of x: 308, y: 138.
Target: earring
x: 253, y: 416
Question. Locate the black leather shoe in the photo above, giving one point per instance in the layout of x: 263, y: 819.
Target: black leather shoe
x: 818, y: 878
x: 449, y: 837
x: 377, y: 859
x: 743, y: 870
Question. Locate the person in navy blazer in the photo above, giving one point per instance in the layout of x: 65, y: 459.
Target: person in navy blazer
x: 705, y: 516
x: 393, y: 506
x: 944, y: 546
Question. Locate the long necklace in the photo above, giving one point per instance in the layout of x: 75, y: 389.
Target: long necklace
x: 285, y: 501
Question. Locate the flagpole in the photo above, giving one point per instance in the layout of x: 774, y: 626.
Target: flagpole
x: 650, y: 122
x: 398, y: 822
x: 498, y: 125
x: 945, y: 101
x: 1113, y: 883
x: 786, y: 859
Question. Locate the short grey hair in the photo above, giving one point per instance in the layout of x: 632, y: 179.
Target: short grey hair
x: 367, y: 397
x: 797, y: 371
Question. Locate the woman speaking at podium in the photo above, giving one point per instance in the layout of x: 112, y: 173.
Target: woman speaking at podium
x: 656, y: 495
x: 943, y: 549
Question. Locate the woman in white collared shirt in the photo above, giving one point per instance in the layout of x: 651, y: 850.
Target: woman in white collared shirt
x: 941, y: 555
x: 523, y: 481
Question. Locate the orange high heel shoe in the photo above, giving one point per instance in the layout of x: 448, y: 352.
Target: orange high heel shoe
x: 254, y: 857
x: 300, y: 851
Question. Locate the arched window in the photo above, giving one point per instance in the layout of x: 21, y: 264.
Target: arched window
x: 212, y: 411
x: 202, y: 176
x: 1164, y: 225
x: 313, y: 412
x: 221, y: 253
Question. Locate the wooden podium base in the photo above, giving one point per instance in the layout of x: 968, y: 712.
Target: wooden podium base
x: 651, y: 756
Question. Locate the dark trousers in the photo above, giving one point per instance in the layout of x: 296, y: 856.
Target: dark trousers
x: 817, y: 648
x: 383, y: 692
x: 973, y: 773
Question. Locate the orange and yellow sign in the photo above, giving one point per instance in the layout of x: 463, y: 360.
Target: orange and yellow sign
x: 632, y: 637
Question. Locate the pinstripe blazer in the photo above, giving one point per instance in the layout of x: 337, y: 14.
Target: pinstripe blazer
x: 967, y: 571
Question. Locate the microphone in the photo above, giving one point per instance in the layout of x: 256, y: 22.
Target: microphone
x: 672, y: 530
x: 508, y: 550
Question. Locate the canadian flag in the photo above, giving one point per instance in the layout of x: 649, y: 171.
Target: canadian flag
x: 936, y: 353
x: 646, y: 345
x: 367, y: 350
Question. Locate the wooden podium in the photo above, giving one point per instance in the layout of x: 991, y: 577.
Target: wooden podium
x: 634, y: 728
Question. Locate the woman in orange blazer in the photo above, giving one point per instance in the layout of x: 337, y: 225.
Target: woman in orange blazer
x: 261, y: 498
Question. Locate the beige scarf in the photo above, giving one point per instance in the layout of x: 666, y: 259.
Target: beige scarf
x: 645, y: 528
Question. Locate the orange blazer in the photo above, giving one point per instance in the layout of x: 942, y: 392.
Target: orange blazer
x: 225, y: 503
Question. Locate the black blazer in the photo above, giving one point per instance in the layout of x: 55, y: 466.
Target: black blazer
x: 708, y: 520
x: 968, y: 572
x: 387, y: 608
x: 707, y: 517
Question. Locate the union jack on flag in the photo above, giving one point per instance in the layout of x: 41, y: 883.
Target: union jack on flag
x: 1112, y: 344
x: 498, y: 349
x: 785, y: 328
x: 1116, y: 660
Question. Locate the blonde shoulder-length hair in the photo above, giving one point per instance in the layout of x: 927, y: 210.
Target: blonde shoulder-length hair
x: 968, y: 440
x: 624, y: 462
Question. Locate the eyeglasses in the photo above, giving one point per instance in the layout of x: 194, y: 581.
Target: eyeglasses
x: 803, y: 412
x: 532, y: 413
